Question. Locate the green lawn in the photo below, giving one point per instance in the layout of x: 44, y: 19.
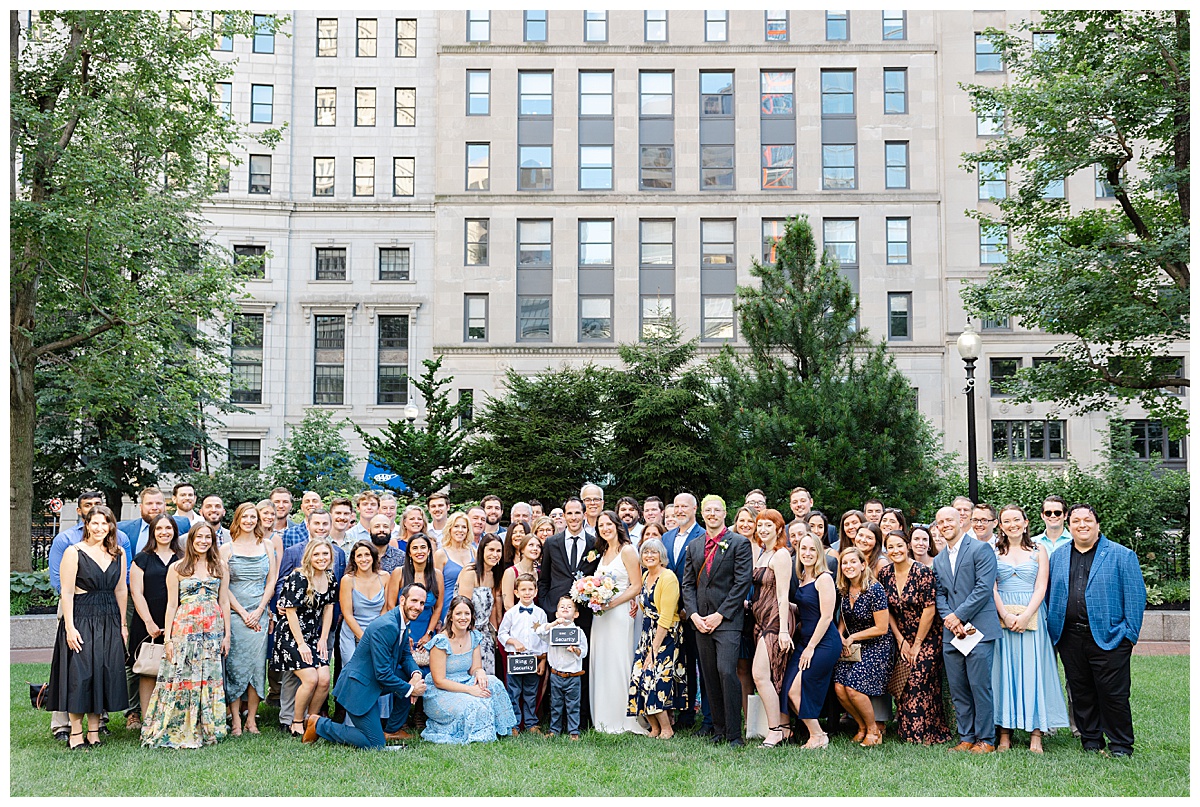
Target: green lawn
x: 272, y: 765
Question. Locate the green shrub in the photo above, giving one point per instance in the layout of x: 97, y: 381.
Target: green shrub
x: 1176, y: 590
x: 30, y: 590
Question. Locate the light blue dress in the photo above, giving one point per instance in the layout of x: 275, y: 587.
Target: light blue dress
x: 246, y: 664
x: 458, y: 717
x: 1025, y: 686
x: 450, y: 573
x: 365, y: 611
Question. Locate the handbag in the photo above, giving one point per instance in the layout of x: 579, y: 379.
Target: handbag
x: 37, y: 696
x: 898, y: 680
x: 855, y: 654
x: 420, y: 655
x: 148, y: 658
x: 1017, y: 610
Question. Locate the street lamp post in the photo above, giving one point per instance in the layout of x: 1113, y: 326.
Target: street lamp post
x: 410, y: 414
x: 970, y: 346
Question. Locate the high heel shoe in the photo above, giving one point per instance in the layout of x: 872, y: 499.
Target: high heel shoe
x: 782, y: 739
x: 859, y: 736
x: 83, y: 746
x: 821, y: 743
x: 871, y: 739
x: 293, y: 731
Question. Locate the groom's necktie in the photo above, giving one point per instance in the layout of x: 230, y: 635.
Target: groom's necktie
x: 574, y: 552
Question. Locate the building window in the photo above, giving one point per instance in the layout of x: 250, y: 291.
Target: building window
x: 479, y: 92
x: 837, y: 93
x: 533, y: 318
x: 716, y: 168
x: 1054, y: 189
x: 330, y: 360
x: 999, y: 372
x: 894, y: 26
x: 999, y: 322
x: 364, y: 106
x: 595, y: 94
x: 772, y: 232
x: 534, y: 242
x: 536, y: 94
x: 1151, y: 441
x: 1104, y: 190
x: 535, y: 26
x: 993, y: 181
x: 987, y: 58
x: 477, y: 242
x: 475, y: 317
x: 895, y: 91
x: 837, y: 167
x: 406, y: 39
x: 841, y: 240
x: 479, y: 26
x: 323, y: 176
x: 837, y: 26
x: 223, y: 97
x: 898, y: 231
x: 1044, y: 41
x: 404, y: 171
x: 657, y: 242
x: 367, y: 38
x: 262, y: 100
x: 218, y: 172
x: 779, y: 167
x: 993, y: 243
x: 656, y: 94
x: 716, y: 26
x: 331, y: 263
x: 777, y: 26
x: 260, y: 173
x: 895, y: 154
x: 989, y: 123
x: 246, y: 359
x: 777, y: 96
x: 364, y: 176
x: 406, y: 106
x: 899, y: 316
x: 717, y: 239
x: 595, y: 168
x: 392, y: 378
x: 479, y: 166
x: 658, y: 313
x: 250, y: 260
x: 264, y: 36
x: 716, y: 320
x: 395, y: 263
x: 224, y: 41
x: 657, y: 168
x: 716, y: 95
x: 595, y: 26
x: 466, y: 401
x: 327, y: 37
x: 326, y: 106
x: 1028, y: 440
x: 245, y: 454
x: 595, y: 319
x: 595, y: 242
x: 535, y: 170
x: 656, y: 26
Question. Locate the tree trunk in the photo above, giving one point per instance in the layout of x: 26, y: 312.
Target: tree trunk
x: 23, y: 417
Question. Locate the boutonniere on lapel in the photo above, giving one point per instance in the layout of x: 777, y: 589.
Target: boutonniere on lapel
x: 590, y: 556
x: 724, y: 545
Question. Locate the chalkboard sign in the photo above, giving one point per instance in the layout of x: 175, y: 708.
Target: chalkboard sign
x: 564, y: 637
x: 521, y: 663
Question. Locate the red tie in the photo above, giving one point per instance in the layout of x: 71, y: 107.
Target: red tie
x: 710, y: 551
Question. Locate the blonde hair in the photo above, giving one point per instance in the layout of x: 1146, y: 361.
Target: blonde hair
x: 306, y: 567
x: 819, y: 566
x: 865, y: 578
x: 448, y: 530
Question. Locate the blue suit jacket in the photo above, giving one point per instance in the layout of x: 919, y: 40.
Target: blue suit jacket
x: 382, y: 664
x: 697, y: 531
x: 967, y: 593
x: 1115, y: 594
x: 133, y: 528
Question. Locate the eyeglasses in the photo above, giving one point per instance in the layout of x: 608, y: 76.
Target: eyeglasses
x: 1053, y: 513
x: 592, y: 500
x: 981, y: 520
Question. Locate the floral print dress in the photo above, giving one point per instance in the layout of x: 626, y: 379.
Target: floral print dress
x: 661, y: 685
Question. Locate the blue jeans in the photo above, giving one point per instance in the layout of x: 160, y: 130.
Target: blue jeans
x: 564, y: 703
x: 522, y: 691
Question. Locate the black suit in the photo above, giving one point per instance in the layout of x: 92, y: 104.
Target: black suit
x: 555, y: 578
x: 723, y: 589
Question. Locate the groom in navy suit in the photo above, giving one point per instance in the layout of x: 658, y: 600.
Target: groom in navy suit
x: 382, y: 664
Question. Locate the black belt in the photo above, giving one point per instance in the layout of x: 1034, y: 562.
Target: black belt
x: 1079, y: 627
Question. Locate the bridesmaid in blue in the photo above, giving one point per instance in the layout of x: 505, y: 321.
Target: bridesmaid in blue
x: 418, y: 568
x: 1025, y: 685
x: 864, y: 622
x: 463, y: 704
x: 454, y: 555
x: 818, y: 646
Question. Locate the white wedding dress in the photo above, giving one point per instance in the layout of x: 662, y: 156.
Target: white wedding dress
x: 611, y: 649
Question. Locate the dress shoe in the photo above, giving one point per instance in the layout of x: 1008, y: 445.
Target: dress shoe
x: 393, y: 736
x: 705, y: 731
x: 310, y: 729
x: 1120, y: 753
x: 133, y: 721
x: 737, y: 742
x: 982, y: 748
x: 62, y: 735
x: 963, y: 746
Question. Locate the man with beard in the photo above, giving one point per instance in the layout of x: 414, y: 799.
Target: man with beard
x: 493, y: 511
x: 390, y: 558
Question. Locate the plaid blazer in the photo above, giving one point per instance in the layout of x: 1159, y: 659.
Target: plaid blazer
x: 1115, y: 595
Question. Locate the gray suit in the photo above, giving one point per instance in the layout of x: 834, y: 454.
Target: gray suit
x: 967, y: 593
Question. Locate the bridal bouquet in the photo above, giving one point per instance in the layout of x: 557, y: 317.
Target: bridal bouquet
x: 594, y: 591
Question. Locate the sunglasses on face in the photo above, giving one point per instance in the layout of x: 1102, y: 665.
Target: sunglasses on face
x: 1053, y: 513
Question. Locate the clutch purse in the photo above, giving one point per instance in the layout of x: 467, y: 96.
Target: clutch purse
x: 855, y: 654
x: 148, y: 658
x: 1017, y: 610
x: 420, y: 654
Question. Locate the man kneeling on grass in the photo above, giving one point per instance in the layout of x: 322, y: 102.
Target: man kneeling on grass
x: 382, y: 664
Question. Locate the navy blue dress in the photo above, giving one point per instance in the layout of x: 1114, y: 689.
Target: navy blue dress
x: 869, y: 676
x: 816, y: 680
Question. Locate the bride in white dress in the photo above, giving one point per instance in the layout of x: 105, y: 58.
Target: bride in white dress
x: 612, y: 641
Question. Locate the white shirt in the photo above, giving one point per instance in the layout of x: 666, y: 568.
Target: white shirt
x: 435, y: 534
x: 952, y: 552
x: 635, y: 533
x: 520, y: 626
x: 561, y: 659
x: 680, y: 537
x: 580, y: 544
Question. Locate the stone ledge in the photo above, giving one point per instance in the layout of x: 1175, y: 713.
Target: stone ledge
x: 1166, y: 626
x: 32, y: 631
